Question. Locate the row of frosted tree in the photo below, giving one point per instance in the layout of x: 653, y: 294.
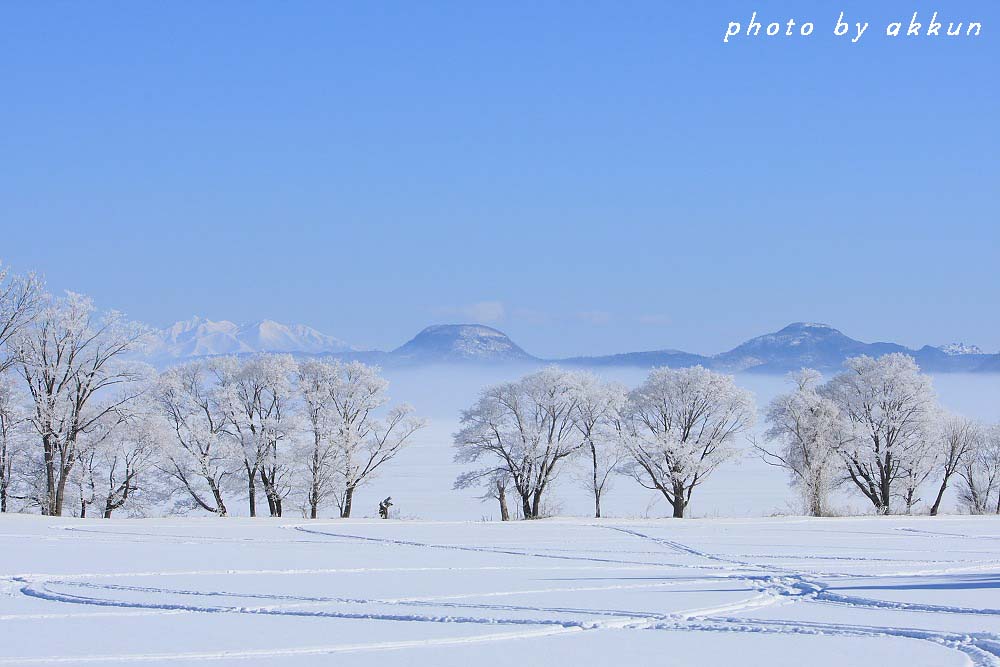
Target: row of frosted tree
x: 87, y: 428
x: 876, y: 429
x: 85, y: 425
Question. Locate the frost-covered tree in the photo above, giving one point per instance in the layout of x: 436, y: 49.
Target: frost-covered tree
x: 596, y: 412
x: 20, y: 297
x: 74, y: 363
x: 918, y: 468
x: 13, y: 437
x: 84, y: 481
x: 957, y: 437
x: 19, y: 302
x: 979, y: 471
x: 888, y: 409
x: 316, y: 454
x: 519, y: 433
x: 362, y: 441
x: 256, y: 394
x: 197, y: 452
x: 117, y: 469
x: 804, y: 435
x: 679, y: 426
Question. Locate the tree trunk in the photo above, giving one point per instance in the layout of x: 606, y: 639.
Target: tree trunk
x: 502, y: 497
x: 4, y: 482
x: 60, y: 493
x: 885, y: 500
x: 815, y: 490
x: 536, y: 504
x: 526, y: 507
x: 270, y: 492
x: 314, y: 486
x: 217, y: 494
x: 109, y: 507
x: 815, y: 505
x: 345, y: 512
x: 940, y: 494
x: 270, y: 504
x: 594, y: 484
x: 251, y: 488
x: 679, y: 503
x: 50, y: 476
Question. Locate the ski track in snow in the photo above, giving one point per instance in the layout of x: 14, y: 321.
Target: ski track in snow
x: 772, y: 584
x: 983, y: 649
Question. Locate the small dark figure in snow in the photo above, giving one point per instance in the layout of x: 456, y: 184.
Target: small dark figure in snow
x: 383, y: 507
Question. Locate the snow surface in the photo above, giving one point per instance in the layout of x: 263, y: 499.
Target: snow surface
x: 768, y: 591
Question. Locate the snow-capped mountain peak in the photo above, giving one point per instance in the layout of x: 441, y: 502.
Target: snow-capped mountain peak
x: 271, y: 336
x: 199, y: 326
x: 199, y: 337
x: 956, y: 349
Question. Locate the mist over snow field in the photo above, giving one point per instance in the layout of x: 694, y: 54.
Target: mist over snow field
x: 767, y: 591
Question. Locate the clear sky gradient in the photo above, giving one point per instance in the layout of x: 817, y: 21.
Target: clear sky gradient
x: 590, y: 177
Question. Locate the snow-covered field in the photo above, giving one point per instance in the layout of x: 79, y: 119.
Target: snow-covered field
x: 769, y: 591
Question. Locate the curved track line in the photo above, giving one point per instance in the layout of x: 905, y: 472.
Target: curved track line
x: 494, y: 550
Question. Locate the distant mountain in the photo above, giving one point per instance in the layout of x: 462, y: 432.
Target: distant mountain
x: 801, y: 344
x: 798, y: 345
x: 199, y: 337
x: 459, y: 343
x: 938, y: 360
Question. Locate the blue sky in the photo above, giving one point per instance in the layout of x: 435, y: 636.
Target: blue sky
x: 589, y: 177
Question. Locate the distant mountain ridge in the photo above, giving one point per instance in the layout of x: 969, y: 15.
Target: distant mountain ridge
x: 200, y: 337
x: 798, y: 345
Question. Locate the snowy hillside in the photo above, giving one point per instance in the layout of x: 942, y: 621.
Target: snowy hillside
x: 781, y: 592
x: 201, y: 337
